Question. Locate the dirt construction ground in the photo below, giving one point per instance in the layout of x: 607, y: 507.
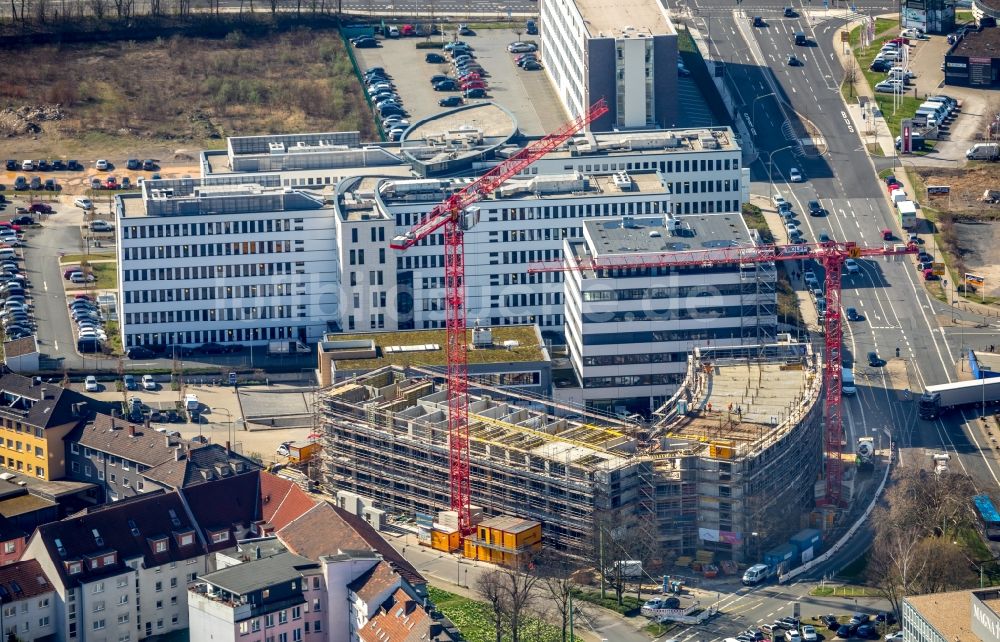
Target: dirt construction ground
x: 166, y: 99
x: 973, y: 224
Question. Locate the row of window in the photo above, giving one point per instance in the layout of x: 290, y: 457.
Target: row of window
x: 88, y: 472
x: 18, y: 465
x: 198, y: 337
x: 237, y: 270
x: 681, y: 314
x: 693, y: 334
x: 16, y: 445
x: 208, y: 229
x: 17, y: 426
x: 10, y: 610
x: 357, y: 257
x: 13, y: 630
x: 642, y: 294
x: 633, y: 359
x: 633, y: 380
x: 405, y: 220
x: 185, y: 251
x: 211, y: 315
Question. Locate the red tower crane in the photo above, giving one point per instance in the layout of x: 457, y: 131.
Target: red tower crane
x: 451, y: 215
x: 831, y: 255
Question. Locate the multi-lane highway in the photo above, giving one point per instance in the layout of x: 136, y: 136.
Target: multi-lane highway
x: 783, y: 106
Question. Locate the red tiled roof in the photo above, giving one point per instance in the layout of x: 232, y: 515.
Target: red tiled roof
x: 294, y: 504
x: 22, y: 580
x: 374, y: 582
x: 376, y: 542
x: 400, y: 619
x: 321, y: 531
x: 272, y: 491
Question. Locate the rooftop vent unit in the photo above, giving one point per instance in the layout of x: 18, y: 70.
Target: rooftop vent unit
x: 708, y: 141
x: 482, y: 337
x: 276, y: 148
x: 623, y: 181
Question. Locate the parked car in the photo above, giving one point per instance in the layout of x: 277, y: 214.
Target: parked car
x: 36, y: 183
x: 140, y: 352
x: 132, y: 163
x: 129, y: 382
x: 450, y: 101
x: 434, y: 58
x: 148, y: 383
x: 73, y: 165
x: 90, y: 384
x: 475, y: 93
x: 101, y: 165
x: 148, y: 165
x: 521, y: 47
x: 446, y: 85
x: 531, y: 65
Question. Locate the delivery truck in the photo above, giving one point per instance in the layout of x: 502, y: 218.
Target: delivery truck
x: 758, y: 573
x: 907, y: 215
x: 286, y: 347
x: 984, y: 152
x: 942, y: 398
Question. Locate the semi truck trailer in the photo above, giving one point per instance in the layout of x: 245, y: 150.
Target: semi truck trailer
x: 942, y: 398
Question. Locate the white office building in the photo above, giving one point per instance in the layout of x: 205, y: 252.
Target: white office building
x: 229, y: 259
x: 625, y: 52
x: 629, y: 332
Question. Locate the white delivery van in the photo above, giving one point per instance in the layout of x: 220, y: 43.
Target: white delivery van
x: 847, y: 382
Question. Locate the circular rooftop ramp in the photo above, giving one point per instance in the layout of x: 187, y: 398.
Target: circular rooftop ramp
x: 451, y: 141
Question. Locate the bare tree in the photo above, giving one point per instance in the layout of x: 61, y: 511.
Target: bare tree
x: 947, y: 567
x: 490, y: 587
x: 555, y: 585
x: 992, y: 119
x: 274, y: 6
x: 520, y: 584
x: 98, y: 8
x: 617, y: 540
x: 895, y: 563
x: 851, y: 76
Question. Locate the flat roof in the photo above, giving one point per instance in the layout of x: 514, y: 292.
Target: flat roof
x: 979, y: 44
x: 949, y: 613
x: 773, y: 389
x: 651, y: 235
x: 529, y: 347
x: 610, y: 18
x: 677, y: 140
x: 488, y: 119
x: 234, y: 195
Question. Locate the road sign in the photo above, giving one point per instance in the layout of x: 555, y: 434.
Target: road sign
x: 845, y: 36
x: 974, y: 279
x: 938, y: 268
x: 232, y: 378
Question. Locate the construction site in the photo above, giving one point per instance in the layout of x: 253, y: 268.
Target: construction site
x: 726, y: 468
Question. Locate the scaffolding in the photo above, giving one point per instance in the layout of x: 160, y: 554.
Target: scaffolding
x: 699, y: 473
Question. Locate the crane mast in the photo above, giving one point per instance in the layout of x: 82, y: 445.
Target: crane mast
x: 453, y: 216
x: 831, y: 255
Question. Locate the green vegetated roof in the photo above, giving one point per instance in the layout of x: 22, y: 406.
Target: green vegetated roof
x: 528, y: 348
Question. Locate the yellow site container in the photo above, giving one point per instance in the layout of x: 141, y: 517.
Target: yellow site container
x: 504, y: 540
x: 446, y: 541
x: 721, y: 449
x: 302, y: 451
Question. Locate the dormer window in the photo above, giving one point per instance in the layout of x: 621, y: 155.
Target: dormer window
x: 184, y: 539
x: 74, y: 567
x: 220, y: 536
x: 110, y: 559
x: 160, y: 545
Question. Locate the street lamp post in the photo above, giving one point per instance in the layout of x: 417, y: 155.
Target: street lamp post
x: 770, y: 165
x: 230, y: 415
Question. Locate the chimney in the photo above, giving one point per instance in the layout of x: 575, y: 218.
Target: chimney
x: 227, y: 446
x: 131, y: 430
x: 145, y: 424
x: 167, y: 440
x: 179, y: 453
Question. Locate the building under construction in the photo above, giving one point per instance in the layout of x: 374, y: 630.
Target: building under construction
x: 728, y: 466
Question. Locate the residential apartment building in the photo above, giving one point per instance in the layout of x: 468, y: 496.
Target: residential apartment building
x: 225, y: 259
x: 630, y: 332
x: 351, y: 596
x: 120, y: 571
x: 34, y: 419
x: 625, y: 52
x: 27, y: 600
x: 125, y: 459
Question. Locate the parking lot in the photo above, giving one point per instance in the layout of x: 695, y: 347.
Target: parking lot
x: 527, y: 94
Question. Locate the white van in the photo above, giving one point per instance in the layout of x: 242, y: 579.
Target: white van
x: 28, y: 165
x: 191, y: 403
x: 847, y: 386
x: 756, y: 574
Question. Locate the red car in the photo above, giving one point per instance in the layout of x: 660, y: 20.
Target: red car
x: 10, y: 226
x: 40, y: 208
x: 111, y: 183
x: 475, y: 84
x: 407, y: 30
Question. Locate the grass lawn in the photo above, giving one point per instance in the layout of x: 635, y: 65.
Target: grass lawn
x: 909, y: 104
x: 107, y: 275
x: 629, y: 602
x: 75, y: 259
x: 472, y: 618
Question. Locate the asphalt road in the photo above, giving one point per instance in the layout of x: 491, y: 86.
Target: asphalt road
x: 781, y: 105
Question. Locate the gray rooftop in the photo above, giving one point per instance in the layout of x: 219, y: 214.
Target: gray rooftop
x: 226, y: 194
x: 616, y: 18
x: 259, y: 574
x: 655, y: 235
